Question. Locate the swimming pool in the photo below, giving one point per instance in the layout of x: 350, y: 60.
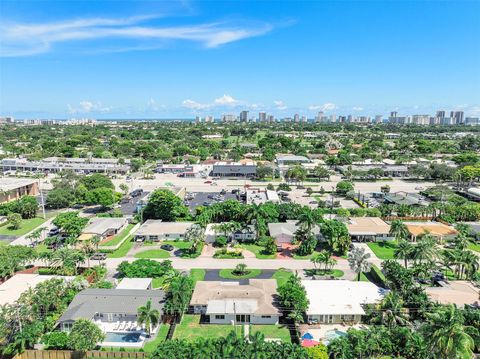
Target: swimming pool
x: 333, y: 334
x: 123, y: 337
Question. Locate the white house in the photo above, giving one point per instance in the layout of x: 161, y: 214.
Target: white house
x: 155, y: 230
x: 284, y: 233
x: 232, y: 302
x: 339, y: 301
x: 243, y: 234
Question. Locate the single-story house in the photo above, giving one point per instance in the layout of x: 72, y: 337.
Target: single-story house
x: 367, y: 228
x: 103, y: 227
x: 135, y: 283
x: 435, y: 229
x: 460, y: 293
x: 109, y: 308
x: 212, y: 232
x: 339, y: 301
x: 284, y: 233
x: 232, y: 302
x: 155, y: 230
x: 12, y: 288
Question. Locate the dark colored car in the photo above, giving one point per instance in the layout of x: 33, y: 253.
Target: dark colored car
x: 167, y: 247
x: 53, y: 232
x: 99, y: 256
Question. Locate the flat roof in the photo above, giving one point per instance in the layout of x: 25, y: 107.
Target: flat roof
x: 13, y: 288
x: 433, y: 228
x: 340, y: 296
x: 9, y: 184
x: 157, y: 227
x: 135, y: 283
x: 367, y: 226
x: 99, y: 225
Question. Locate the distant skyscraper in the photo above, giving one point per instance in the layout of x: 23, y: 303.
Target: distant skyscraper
x: 271, y: 118
x: 457, y: 117
x: 296, y: 117
x: 319, y: 116
x: 262, y: 116
x: 209, y: 118
x: 304, y: 119
x: 440, y: 114
x: 228, y: 118
x: 198, y: 119
x: 378, y: 118
x: 244, y: 116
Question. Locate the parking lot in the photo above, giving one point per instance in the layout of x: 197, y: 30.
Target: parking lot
x: 207, y: 198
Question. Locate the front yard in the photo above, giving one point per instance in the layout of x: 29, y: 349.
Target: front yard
x: 191, y: 329
x: 257, y: 250
x: 228, y: 274
x: 383, y: 249
x: 122, y: 250
x: 153, y: 254
x: 119, y: 237
x: 281, y: 275
x: 27, y: 225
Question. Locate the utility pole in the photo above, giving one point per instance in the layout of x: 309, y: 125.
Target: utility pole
x: 41, y: 198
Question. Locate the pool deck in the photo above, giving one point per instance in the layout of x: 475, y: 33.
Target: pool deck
x: 113, y: 327
x: 319, y: 331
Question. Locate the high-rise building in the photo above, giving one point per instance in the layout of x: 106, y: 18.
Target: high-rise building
x: 378, y: 119
x: 304, y: 119
x: 209, y: 118
x: 271, y: 118
x: 472, y: 121
x: 440, y: 114
x: 262, y: 116
x: 457, y: 117
x: 228, y: 118
x: 393, y: 114
x: 244, y: 116
x: 319, y: 116
x: 296, y: 117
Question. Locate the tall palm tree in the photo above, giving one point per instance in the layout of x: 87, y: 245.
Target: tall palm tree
x: 399, y: 230
x: 404, y: 251
x: 306, y: 221
x: 390, y: 311
x: 148, y: 316
x: 358, y: 261
x: 425, y: 250
x: 446, y: 334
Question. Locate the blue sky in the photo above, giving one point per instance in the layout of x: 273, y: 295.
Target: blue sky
x: 168, y: 59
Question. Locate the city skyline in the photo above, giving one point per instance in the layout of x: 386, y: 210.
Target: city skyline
x: 179, y: 60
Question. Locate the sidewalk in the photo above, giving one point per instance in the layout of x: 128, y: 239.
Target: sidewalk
x: 24, y: 241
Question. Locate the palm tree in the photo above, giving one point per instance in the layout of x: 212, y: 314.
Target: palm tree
x: 148, y: 316
x: 179, y: 293
x: 399, y: 230
x: 446, y: 334
x: 404, y: 251
x: 306, y: 221
x: 358, y: 261
x: 425, y: 250
x: 390, y: 311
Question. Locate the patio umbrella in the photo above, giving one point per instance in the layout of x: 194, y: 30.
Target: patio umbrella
x: 307, y: 343
x: 307, y: 335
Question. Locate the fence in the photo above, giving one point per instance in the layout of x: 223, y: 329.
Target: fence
x: 69, y: 354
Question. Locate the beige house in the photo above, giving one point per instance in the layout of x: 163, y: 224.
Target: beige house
x: 155, y: 230
x: 367, y: 229
x: 103, y: 228
x: 15, y: 188
x: 460, y: 293
x: 235, y: 303
x: 436, y: 229
x: 339, y: 301
x: 284, y: 233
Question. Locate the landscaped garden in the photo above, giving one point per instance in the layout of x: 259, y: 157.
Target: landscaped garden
x: 474, y: 246
x: 119, y: 237
x: 239, y: 272
x: 259, y: 251
x: 383, y: 249
x: 337, y: 273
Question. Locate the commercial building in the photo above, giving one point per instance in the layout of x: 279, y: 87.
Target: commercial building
x: 261, y: 196
x: 286, y: 160
x: 234, y: 169
x: 339, y: 301
x: 15, y: 188
x: 232, y: 302
x: 155, y: 230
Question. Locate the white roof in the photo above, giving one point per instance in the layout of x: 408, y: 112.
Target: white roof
x: 9, y: 184
x: 232, y: 306
x: 157, y: 227
x: 135, y: 283
x: 100, y: 225
x: 11, y: 290
x: 338, y: 297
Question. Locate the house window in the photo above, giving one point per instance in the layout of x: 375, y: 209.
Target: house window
x: 167, y: 235
x: 181, y: 235
x: 347, y: 317
x: 219, y: 317
x: 153, y: 238
x: 266, y: 316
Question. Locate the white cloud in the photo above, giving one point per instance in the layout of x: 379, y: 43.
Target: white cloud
x: 357, y: 108
x: 30, y: 39
x: 226, y: 100
x: 280, y: 105
x: 88, y: 107
x: 193, y: 105
x: 324, y: 107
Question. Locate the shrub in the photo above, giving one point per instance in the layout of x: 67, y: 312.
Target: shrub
x: 220, y: 241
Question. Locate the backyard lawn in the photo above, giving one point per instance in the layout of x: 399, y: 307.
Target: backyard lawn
x: 122, y: 250
x: 383, y: 249
x: 272, y: 332
x: 228, y: 273
x: 281, y: 275
x: 119, y: 237
x: 26, y: 226
x: 161, y: 336
x: 191, y: 329
x: 197, y: 274
x: 257, y: 250
x: 153, y: 254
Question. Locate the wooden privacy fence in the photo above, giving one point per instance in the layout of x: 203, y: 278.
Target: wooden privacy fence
x: 69, y: 354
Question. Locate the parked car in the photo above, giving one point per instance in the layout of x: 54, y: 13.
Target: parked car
x: 207, y: 182
x: 167, y: 247
x: 136, y: 193
x: 54, y: 231
x: 99, y: 256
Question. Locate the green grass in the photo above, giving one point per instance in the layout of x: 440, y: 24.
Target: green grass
x: 228, y: 255
x: 272, y: 331
x: 337, y: 273
x: 119, y: 237
x: 191, y: 329
x: 42, y: 248
x: 179, y: 244
x: 197, y: 274
x: 473, y: 246
x: 383, y: 249
x: 153, y: 254
x: 122, y: 250
x: 157, y: 282
x: 26, y: 226
x: 281, y: 275
x: 308, y: 256
x: 257, y: 250
x: 161, y: 337
x: 228, y: 273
